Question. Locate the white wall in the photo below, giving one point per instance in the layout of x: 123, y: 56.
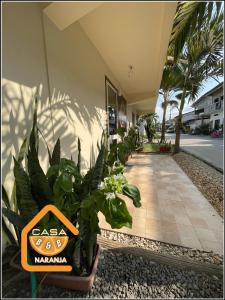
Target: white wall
x: 24, y: 70
x: 71, y: 76
x: 219, y: 117
x: 77, y: 83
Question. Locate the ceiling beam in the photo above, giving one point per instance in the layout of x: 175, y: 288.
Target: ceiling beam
x: 64, y: 14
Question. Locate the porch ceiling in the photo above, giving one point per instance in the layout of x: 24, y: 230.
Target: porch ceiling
x: 125, y: 33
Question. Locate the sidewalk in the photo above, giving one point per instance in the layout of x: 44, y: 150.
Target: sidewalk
x: 173, y: 209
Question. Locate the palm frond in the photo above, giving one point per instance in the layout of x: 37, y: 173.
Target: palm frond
x: 190, y: 18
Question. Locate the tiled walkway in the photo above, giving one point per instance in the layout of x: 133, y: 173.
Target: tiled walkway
x: 173, y: 210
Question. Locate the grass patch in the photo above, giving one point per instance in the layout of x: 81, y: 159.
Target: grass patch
x: 153, y: 147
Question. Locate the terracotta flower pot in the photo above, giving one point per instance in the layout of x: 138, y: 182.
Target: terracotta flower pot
x: 71, y: 282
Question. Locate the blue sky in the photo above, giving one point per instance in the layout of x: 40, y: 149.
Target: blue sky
x: 208, y: 85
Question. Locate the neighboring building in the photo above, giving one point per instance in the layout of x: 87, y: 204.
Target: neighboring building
x: 209, y: 108
x: 189, y: 120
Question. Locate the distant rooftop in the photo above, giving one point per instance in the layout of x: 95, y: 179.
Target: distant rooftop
x: 217, y: 87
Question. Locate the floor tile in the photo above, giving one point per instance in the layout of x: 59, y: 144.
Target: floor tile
x: 173, y: 209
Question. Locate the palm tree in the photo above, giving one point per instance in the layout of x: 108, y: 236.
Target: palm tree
x: 201, y: 59
x: 165, y: 104
x: 189, y: 17
x: 170, y: 83
x: 151, y: 124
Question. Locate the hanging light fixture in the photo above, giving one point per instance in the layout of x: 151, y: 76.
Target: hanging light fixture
x: 130, y: 71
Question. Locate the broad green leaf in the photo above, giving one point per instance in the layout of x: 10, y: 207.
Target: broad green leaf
x: 26, y: 203
x: 132, y: 192
x: 68, y: 166
x: 15, y: 219
x: 52, y: 171
x: 65, y: 182
x: 116, y: 213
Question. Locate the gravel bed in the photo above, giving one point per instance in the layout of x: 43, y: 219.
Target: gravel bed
x: 207, y: 179
x: 164, y: 248
x: 127, y: 276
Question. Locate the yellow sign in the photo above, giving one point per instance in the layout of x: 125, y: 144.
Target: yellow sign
x: 46, y: 243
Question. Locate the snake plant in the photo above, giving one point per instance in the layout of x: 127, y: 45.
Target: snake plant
x: 80, y: 197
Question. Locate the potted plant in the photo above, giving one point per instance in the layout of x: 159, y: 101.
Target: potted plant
x: 80, y: 198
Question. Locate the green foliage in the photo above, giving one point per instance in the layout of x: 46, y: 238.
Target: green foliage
x: 196, y: 47
x: 9, y: 236
x: 116, y: 213
x: 26, y: 204
x: 5, y: 197
x: 151, y: 126
x: 121, y: 132
x: 55, y: 158
x: 79, y: 197
x: 15, y: 219
x: 191, y: 16
x: 79, y: 156
x: 132, y: 192
x: 120, y: 151
x: 40, y: 187
x: 97, y: 172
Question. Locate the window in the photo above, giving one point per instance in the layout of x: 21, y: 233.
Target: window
x: 122, y: 112
x: 217, y: 102
x: 111, y: 106
x: 116, y: 107
x: 199, y: 111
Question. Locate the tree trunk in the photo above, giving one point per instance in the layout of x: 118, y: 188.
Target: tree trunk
x: 163, y: 125
x: 179, y: 124
x: 148, y: 133
x: 177, y: 139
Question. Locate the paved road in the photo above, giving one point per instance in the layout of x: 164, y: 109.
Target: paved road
x: 204, y: 147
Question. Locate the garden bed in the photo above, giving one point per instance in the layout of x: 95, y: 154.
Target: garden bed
x: 127, y: 276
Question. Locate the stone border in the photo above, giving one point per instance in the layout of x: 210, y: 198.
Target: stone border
x: 178, y: 262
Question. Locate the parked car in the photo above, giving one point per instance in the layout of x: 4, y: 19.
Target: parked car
x: 171, y: 129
